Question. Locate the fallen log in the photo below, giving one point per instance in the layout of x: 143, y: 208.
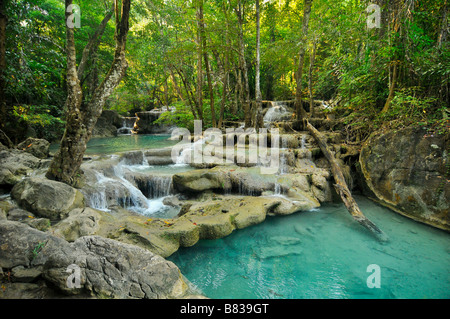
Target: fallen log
x: 341, y: 185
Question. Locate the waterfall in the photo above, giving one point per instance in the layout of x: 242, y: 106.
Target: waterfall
x: 277, y: 189
x: 131, y: 189
x: 283, y: 159
x: 277, y: 113
x: 136, y: 198
x: 127, y: 126
x: 98, y: 199
x: 157, y: 187
x: 303, y: 142
x: 190, y: 152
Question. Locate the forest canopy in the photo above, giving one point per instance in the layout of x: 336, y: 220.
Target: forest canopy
x: 201, y: 57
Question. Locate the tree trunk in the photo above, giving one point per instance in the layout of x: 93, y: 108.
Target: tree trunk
x: 91, y: 48
x: 3, y: 23
x: 259, y: 117
x: 226, y: 66
x: 443, y: 34
x: 190, y: 94
x: 199, y: 60
x: 311, y: 67
x: 81, y: 118
x: 210, y: 85
x: 243, y: 67
x: 299, y: 111
x: 391, y: 89
x: 341, y: 186
x: 175, y: 85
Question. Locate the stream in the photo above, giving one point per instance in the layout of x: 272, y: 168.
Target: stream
x: 322, y: 253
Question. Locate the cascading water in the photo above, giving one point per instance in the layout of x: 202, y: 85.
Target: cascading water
x: 130, y: 187
x: 136, y: 200
x: 98, y: 198
x: 189, y: 152
x: 277, y: 112
x: 127, y: 126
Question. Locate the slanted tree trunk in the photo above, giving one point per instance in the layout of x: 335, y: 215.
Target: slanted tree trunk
x: 189, y: 93
x: 91, y: 48
x: 259, y: 117
x: 341, y: 185
x: 82, y: 117
x: 299, y: 110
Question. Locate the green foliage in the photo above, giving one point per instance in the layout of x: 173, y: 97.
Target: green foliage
x: 44, y: 120
x: 411, y: 107
x: 181, y: 117
x: 353, y: 65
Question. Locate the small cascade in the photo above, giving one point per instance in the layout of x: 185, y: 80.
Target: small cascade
x: 156, y: 186
x: 128, y: 186
x: 283, y: 158
x: 277, y: 189
x: 136, y: 198
x: 303, y: 142
x: 244, y: 190
x: 127, y: 126
x: 189, y: 153
x: 277, y: 112
x: 98, y: 199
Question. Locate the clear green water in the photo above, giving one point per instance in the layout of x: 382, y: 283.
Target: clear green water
x: 322, y: 254
x: 123, y: 143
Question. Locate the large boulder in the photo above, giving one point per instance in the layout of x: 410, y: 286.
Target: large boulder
x: 105, y: 267
x: 47, y: 198
x: 35, y: 146
x: 408, y: 171
x: 107, y: 124
x: 80, y: 222
x: 145, y: 123
x: 15, y: 164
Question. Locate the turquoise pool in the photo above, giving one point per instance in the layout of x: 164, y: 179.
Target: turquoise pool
x: 322, y: 254
x: 124, y: 143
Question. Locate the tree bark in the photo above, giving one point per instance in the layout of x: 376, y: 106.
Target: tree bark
x: 341, y: 186
x: 210, y: 84
x: 310, y: 88
x: 91, y: 48
x: 443, y: 34
x: 81, y: 118
x: 3, y: 23
x: 199, y: 60
x: 225, y: 68
x: 391, y: 89
x: 299, y: 111
x: 243, y: 67
x: 259, y: 117
x: 190, y: 94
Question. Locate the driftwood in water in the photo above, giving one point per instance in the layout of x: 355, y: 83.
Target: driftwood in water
x: 341, y: 185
